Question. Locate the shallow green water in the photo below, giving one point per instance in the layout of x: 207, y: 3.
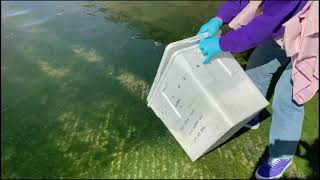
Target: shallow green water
x: 75, y: 76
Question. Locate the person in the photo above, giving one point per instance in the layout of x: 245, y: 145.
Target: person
x: 259, y: 25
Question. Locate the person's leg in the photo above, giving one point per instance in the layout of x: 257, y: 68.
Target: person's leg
x: 285, y: 130
x: 287, y: 119
x: 264, y: 61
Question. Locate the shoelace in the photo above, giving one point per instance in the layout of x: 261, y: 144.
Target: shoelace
x: 273, y: 162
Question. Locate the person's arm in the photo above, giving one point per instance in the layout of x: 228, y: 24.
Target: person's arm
x: 262, y: 28
x: 231, y: 9
x: 225, y: 14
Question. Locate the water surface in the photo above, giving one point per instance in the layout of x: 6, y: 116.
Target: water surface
x: 75, y: 76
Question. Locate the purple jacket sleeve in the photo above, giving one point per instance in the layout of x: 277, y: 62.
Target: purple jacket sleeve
x: 230, y: 9
x: 262, y: 28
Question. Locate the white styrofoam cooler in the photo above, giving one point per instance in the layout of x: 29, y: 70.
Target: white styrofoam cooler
x: 202, y: 105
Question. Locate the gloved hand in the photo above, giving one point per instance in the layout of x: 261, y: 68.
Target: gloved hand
x: 211, y: 27
x: 210, y: 47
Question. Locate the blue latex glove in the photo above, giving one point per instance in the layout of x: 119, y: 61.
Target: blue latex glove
x: 210, y: 47
x: 211, y: 27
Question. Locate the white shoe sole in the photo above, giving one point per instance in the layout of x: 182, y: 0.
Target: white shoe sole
x: 274, y: 177
x: 252, y: 127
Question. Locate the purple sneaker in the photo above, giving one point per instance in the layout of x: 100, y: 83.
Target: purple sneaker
x: 253, y: 123
x: 273, y: 168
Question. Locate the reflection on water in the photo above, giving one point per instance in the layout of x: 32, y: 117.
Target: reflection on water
x: 35, y: 22
x: 16, y: 13
x: 76, y: 76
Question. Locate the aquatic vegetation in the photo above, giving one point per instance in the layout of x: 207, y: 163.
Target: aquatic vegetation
x: 74, y: 105
x: 135, y: 85
x: 89, y: 55
x: 56, y: 73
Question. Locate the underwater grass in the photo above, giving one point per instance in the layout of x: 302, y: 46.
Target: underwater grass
x: 74, y: 104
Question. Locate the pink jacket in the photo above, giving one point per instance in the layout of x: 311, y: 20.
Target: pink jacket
x: 301, y: 43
